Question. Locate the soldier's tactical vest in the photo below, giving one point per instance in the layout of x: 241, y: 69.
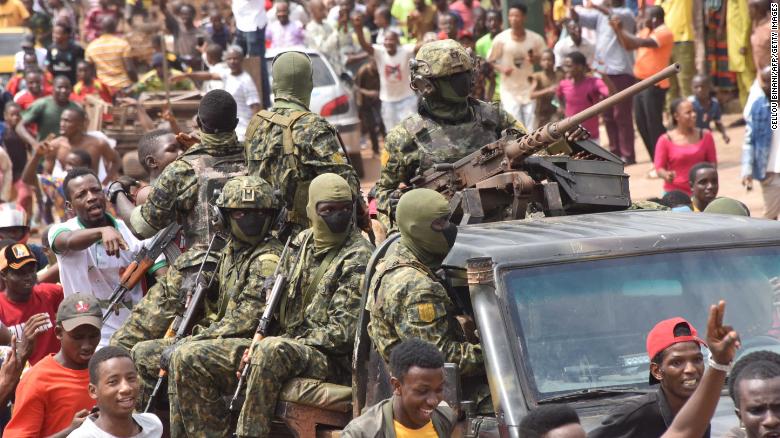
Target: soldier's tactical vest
x: 296, y: 203
x: 445, y: 143
x: 212, y: 173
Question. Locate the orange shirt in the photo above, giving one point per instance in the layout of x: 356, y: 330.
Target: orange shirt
x: 651, y: 60
x: 47, y: 398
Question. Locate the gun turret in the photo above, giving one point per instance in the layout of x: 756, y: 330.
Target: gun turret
x: 499, y: 180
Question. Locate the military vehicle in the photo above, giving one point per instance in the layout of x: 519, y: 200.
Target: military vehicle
x: 563, y: 302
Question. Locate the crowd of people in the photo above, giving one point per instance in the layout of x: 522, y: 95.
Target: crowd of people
x: 263, y: 192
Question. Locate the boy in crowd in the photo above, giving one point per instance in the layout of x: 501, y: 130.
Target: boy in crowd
x: 417, y: 369
x: 707, y: 108
x: 156, y: 150
x: 754, y: 386
x: 52, y: 399
x: 704, y: 185
x: 544, y: 84
x: 25, y: 303
x: 114, y: 385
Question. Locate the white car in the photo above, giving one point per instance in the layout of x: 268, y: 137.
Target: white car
x: 332, y: 98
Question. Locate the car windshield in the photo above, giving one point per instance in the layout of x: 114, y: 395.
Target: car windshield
x: 321, y: 74
x: 583, y: 325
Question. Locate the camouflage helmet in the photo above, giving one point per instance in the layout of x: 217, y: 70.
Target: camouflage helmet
x: 247, y: 192
x: 441, y: 58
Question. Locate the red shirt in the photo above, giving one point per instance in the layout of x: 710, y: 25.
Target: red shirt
x: 680, y: 159
x: 45, y: 298
x: 47, y: 398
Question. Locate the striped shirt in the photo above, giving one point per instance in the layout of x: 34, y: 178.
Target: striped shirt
x: 108, y: 53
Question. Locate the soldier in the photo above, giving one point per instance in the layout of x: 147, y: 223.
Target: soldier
x: 181, y: 193
x: 249, y: 208
x: 289, y: 145
x: 318, y: 313
x: 448, y: 126
x: 406, y: 299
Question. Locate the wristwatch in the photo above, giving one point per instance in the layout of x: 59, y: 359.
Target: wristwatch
x: 114, y: 189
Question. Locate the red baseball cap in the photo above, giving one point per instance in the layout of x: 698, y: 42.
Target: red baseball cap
x: 662, y: 337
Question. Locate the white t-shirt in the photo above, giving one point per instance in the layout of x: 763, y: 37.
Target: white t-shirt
x: 93, y: 271
x: 249, y: 14
x: 394, y: 75
x: 151, y: 427
x: 508, y: 52
x: 221, y: 69
x: 244, y: 91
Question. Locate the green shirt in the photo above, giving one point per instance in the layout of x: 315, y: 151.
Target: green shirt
x: 482, y: 47
x: 46, y: 113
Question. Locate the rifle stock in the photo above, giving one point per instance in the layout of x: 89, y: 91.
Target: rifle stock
x: 280, y: 281
x: 181, y: 326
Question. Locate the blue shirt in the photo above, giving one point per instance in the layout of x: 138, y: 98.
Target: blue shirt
x: 758, y: 140
x: 610, y: 56
x: 712, y: 115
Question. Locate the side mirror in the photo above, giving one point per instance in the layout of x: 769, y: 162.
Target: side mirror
x: 346, y: 78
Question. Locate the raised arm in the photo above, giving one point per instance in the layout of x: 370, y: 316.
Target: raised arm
x: 28, y: 138
x: 628, y: 40
x: 357, y: 24
x: 694, y: 417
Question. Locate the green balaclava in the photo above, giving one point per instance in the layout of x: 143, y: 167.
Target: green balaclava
x: 727, y: 206
x: 328, y: 187
x: 416, y: 212
x: 292, y: 80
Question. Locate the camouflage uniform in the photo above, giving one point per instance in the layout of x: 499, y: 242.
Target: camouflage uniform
x: 317, y: 332
x: 424, y: 139
x: 406, y: 300
x: 175, y: 197
x: 289, y: 145
x: 241, y: 273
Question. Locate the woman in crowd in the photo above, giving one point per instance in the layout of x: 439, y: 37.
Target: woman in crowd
x: 682, y: 147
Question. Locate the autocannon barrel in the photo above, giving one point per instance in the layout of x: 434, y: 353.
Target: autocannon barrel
x: 552, y: 132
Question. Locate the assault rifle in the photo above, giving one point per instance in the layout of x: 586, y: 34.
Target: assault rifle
x: 142, y: 262
x: 182, y: 325
x: 499, y: 180
x: 276, y: 292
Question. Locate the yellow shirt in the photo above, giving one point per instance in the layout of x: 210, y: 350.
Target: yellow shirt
x: 738, y: 35
x: 426, y: 431
x: 108, y: 53
x: 13, y: 13
x: 678, y: 17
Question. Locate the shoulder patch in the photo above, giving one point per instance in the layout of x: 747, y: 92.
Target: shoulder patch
x: 426, y: 311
